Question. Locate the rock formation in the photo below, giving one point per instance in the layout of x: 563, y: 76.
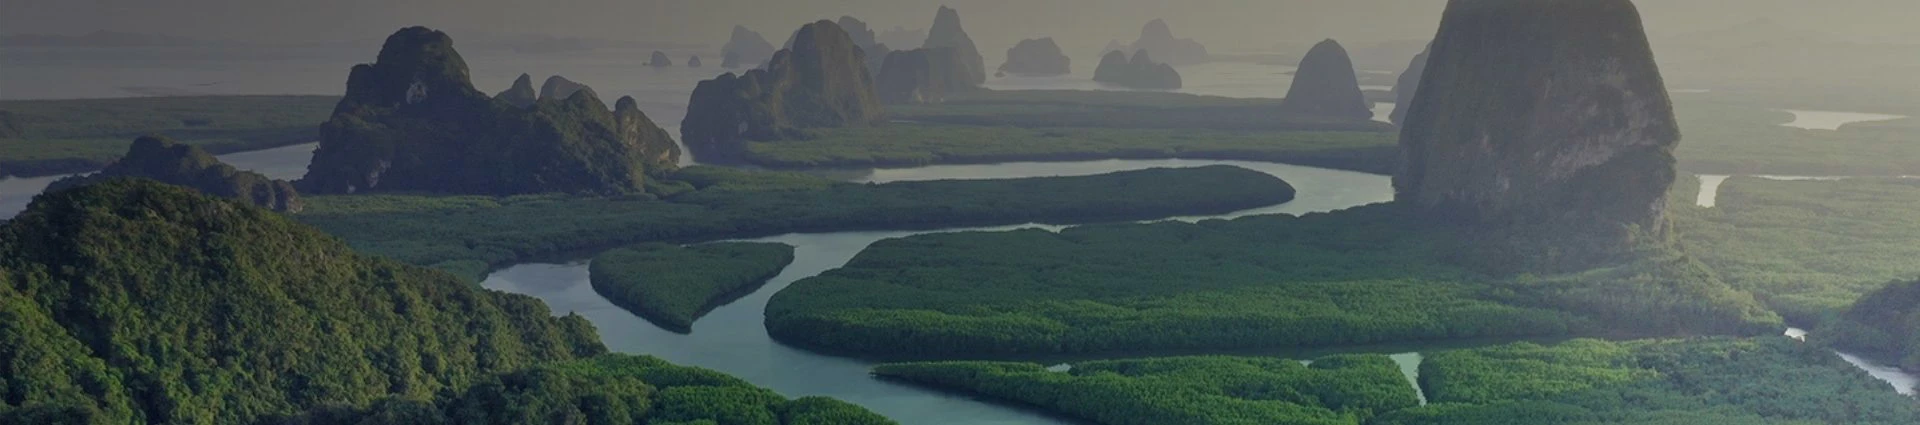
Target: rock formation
x: 876, y: 58
x: 1409, y: 85
x: 659, y: 59
x: 693, y: 62
x: 745, y: 48
x: 1037, y: 57
x: 858, y: 31
x: 821, y: 83
x: 1325, y: 85
x: 1545, y: 117
x: 161, y: 159
x: 1141, y: 72
x: 521, y: 94
x: 412, y: 121
x: 920, y: 76
x: 560, y: 88
x: 947, y: 33
x: 1157, y: 38
x: 10, y: 126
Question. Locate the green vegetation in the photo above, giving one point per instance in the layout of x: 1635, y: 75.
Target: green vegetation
x: 1704, y: 381
x: 1884, y: 324
x: 72, y: 136
x: 1727, y: 134
x: 1807, y: 248
x: 131, y: 301
x: 673, y: 285
x: 610, y: 390
x: 1361, y: 276
x: 704, y: 203
x: 914, y: 144
x: 162, y: 159
x: 1185, y: 390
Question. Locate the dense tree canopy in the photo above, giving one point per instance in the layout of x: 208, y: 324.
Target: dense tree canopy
x: 673, y: 285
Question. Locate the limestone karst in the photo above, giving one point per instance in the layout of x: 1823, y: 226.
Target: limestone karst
x: 1325, y: 85
x: 1157, y: 38
x: 920, y: 76
x: 1409, y: 85
x: 163, y: 160
x: 412, y: 121
x: 821, y: 83
x: 744, y: 49
x: 521, y: 94
x: 693, y: 62
x: 1037, y: 57
x: 947, y: 33
x: 560, y: 88
x: 1139, y: 72
x: 1546, y: 115
x: 659, y: 59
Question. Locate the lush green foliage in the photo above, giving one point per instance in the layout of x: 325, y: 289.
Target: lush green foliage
x: 1727, y: 134
x: 1185, y: 390
x: 1807, y: 248
x: 71, y: 136
x: 1885, y: 324
x: 605, y: 390
x: 1706, y: 381
x: 1134, y: 110
x: 910, y: 144
x: 706, y: 203
x: 674, y: 285
x: 136, y: 302
x: 1360, y: 276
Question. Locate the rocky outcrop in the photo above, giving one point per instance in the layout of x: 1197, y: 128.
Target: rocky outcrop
x: 745, y: 48
x: 1140, y: 72
x: 821, y: 83
x: 876, y: 58
x: 163, y: 160
x: 857, y: 30
x: 521, y: 94
x: 1409, y: 85
x: 659, y: 59
x: 10, y: 126
x: 920, y: 76
x: 693, y: 62
x: 1325, y: 85
x: 946, y: 33
x: 1037, y: 57
x: 1545, y: 115
x: 560, y: 88
x: 413, y: 122
x: 1157, y: 38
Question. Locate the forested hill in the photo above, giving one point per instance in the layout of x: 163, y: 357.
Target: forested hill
x: 136, y: 302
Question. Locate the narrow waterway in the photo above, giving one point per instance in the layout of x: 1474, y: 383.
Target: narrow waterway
x: 733, y: 338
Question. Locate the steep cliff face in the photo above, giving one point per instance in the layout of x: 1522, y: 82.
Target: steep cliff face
x: 947, y: 33
x: 1409, y: 84
x: 1325, y: 85
x: 163, y: 160
x: 920, y: 76
x: 1037, y: 57
x: 521, y: 94
x: 412, y: 121
x: 1157, y: 38
x: 821, y: 83
x: 560, y: 88
x: 744, y: 49
x: 1549, y: 114
x: 1140, y: 72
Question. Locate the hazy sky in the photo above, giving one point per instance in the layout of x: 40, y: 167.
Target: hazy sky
x: 1225, y: 25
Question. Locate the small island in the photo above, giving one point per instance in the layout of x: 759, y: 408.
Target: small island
x: 1139, y: 72
x: 674, y: 285
x: 1037, y: 57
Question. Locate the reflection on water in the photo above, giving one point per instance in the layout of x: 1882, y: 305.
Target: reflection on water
x: 733, y: 338
x: 1830, y: 120
x: 1710, y: 185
